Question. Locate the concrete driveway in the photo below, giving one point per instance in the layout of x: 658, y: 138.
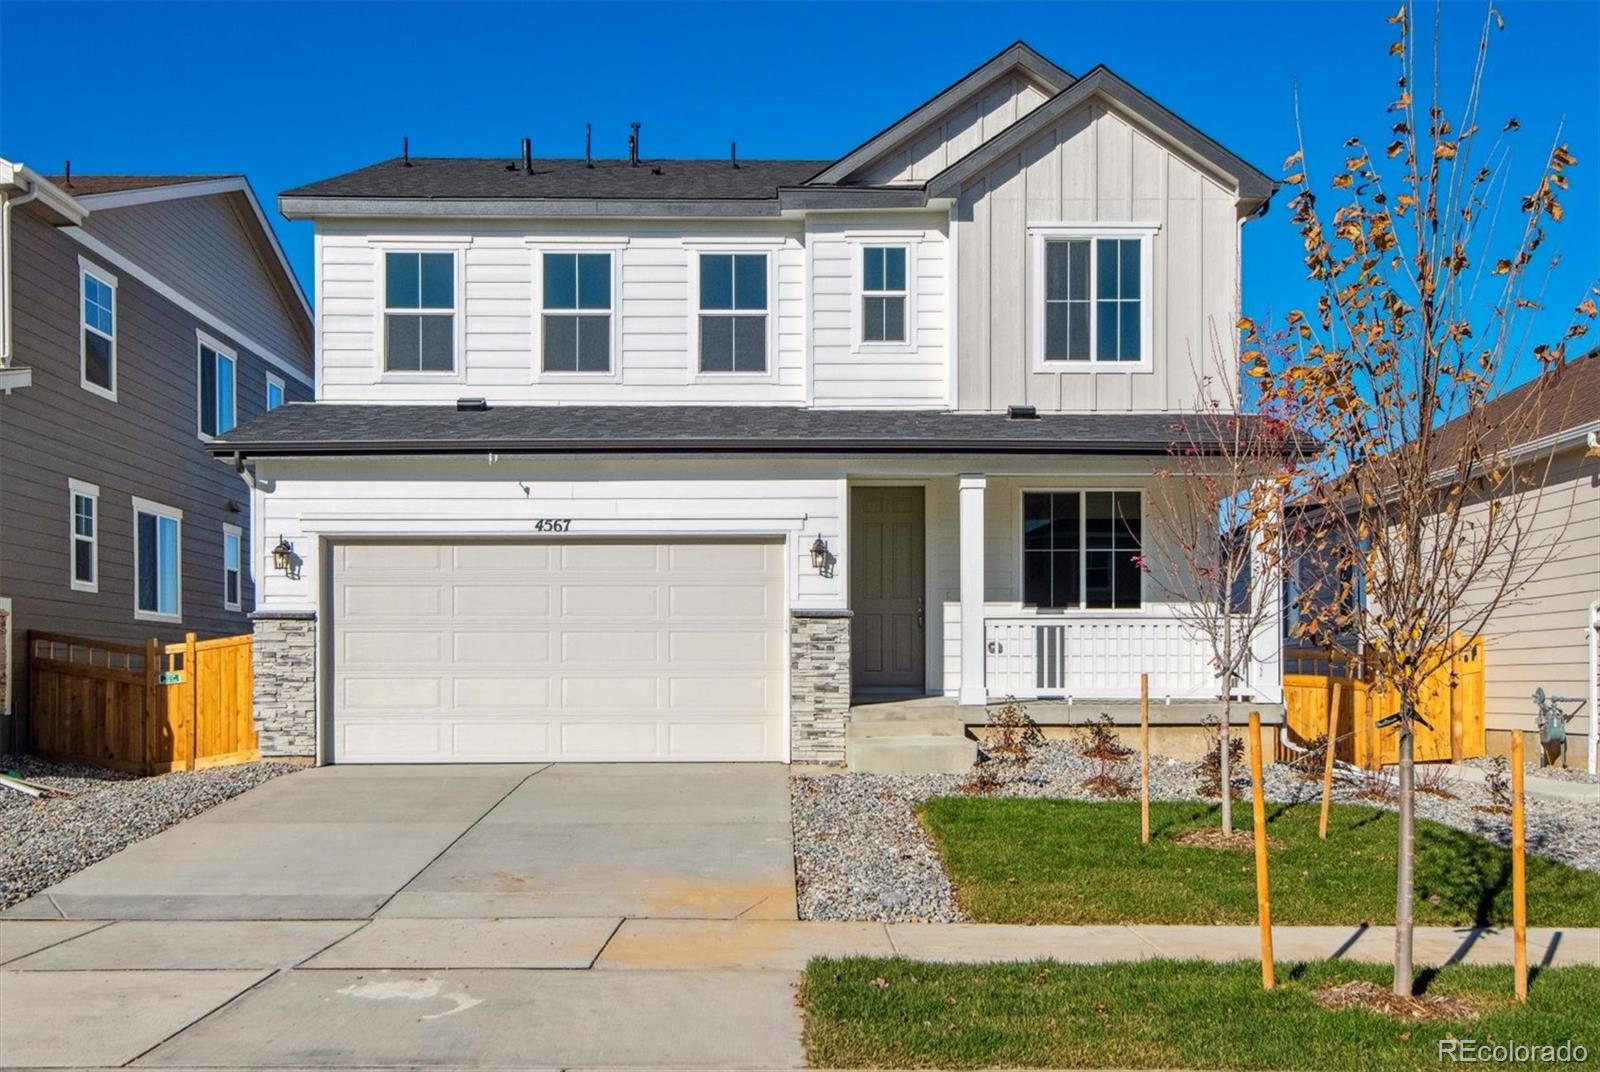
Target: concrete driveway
x: 709, y: 841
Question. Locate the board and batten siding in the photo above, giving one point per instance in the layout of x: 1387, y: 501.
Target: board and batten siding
x: 844, y: 371
x: 1093, y: 166
x: 502, y: 312
x: 1539, y: 637
x: 211, y: 250
x: 144, y: 444
x: 471, y: 497
x: 928, y: 151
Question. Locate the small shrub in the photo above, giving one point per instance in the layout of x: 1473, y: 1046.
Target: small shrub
x: 1436, y: 780
x: 1374, y: 786
x: 1208, y: 772
x: 1012, y: 739
x: 1497, y: 783
x: 1099, y: 740
x: 1109, y: 781
x: 1309, y: 764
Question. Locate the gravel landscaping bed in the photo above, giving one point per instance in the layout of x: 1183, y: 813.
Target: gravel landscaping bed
x: 860, y: 853
x: 47, y: 839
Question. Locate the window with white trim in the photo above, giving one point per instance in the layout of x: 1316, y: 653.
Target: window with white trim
x: 1080, y: 549
x: 883, y: 293
x: 577, y: 312
x: 419, y: 308
x: 733, y: 312
x: 232, y: 575
x: 218, y: 389
x: 276, y: 394
x: 157, y: 561
x: 1094, y: 299
x: 98, y: 368
x: 85, y: 535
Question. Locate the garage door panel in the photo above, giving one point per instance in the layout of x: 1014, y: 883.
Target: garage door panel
x: 579, y: 651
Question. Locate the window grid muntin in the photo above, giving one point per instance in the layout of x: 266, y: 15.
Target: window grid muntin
x: 882, y: 292
x: 98, y: 318
x: 741, y: 318
x: 583, y: 313
x: 419, y: 309
x: 85, y: 540
x: 1110, y: 553
x: 1072, y: 324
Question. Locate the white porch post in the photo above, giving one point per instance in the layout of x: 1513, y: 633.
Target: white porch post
x: 1266, y: 647
x: 972, y: 658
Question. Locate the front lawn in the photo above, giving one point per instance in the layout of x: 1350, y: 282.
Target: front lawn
x: 1062, y: 861
x: 866, y: 1013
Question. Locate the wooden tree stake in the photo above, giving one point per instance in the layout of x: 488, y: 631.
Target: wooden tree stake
x: 1519, y: 871
x: 1144, y: 759
x: 1263, y: 893
x: 1327, y: 760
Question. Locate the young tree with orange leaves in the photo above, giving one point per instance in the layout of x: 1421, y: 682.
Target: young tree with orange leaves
x: 1421, y: 318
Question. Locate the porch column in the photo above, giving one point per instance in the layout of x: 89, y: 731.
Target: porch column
x: 972, y: 659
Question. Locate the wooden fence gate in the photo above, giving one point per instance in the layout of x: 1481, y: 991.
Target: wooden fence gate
x: 1452, y: 706
x: 146, y: 709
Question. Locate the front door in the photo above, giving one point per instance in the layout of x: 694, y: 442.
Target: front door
x: 887, y: 633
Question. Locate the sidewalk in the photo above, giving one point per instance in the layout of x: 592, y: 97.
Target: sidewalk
x: 1536, y: 787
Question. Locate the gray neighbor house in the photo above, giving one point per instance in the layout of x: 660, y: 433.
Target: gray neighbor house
x: 143, y: 317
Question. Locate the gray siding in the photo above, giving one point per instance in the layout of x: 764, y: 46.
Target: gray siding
x: 144, y: 444
x: 210, y: 249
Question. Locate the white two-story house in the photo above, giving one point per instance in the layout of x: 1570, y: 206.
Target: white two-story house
x: 655, y: 459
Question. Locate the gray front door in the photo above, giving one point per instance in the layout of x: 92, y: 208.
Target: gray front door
x: 887, y: 645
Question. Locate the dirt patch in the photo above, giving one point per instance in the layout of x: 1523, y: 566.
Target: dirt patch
x: 1372, y: 997
x: 1212, y: 838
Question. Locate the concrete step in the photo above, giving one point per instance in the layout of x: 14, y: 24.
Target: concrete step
x: 865, y: 728
x: 910, y: 755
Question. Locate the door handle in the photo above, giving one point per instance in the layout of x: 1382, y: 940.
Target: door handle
x: 919, y: 614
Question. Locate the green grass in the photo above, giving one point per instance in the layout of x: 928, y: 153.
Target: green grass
x: 1064, y: 861
x: 865, y: 1013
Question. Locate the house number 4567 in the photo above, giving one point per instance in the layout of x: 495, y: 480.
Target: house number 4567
x: 552, y: 524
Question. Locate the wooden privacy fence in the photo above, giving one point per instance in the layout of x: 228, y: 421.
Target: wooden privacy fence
x: 146, y: 708
x: 1452, y: 706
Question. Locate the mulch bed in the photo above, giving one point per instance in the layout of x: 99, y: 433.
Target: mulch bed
x: 1372, y: 997
x: 1213, y: 838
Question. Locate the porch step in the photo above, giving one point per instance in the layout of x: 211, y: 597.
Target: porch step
x: 910, y: 754
x: 868, y: 727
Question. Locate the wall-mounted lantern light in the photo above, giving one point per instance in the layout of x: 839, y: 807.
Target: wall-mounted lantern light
x: 283, y: 555
x: 819, y: 554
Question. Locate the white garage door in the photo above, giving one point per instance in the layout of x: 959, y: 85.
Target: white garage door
x: 574, y: 651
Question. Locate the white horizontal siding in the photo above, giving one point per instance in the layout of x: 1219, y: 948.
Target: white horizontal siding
x: 500, y: 314
x: 845, y: 373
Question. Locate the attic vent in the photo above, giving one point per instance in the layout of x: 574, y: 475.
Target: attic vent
x: 1022, y: 413
x: 471, y: 405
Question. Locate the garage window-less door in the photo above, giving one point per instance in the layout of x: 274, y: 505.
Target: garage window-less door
x: 573, y: 650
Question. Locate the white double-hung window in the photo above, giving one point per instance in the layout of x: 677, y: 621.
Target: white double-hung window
x: 1094, y: 306
x: 276, y: 395
x: 576, y: 333
x: 218, y: 388
x: 98, y: 356
x: 84, y: 522
x: 883, y: 294
x: 419, y: 312
x: 733, y: 313
x: 232, y: 575
x: 157, y: 562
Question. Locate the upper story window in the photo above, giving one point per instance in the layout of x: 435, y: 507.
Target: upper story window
x: 98, y: 369
x: 883, y: 294
x: 276, y: 395
x: 1080, y: 549
x: 218, y: 388
x: 733, y: 312
x: 1096, y: 300
x: 577, y: 312
x: 419, y: 307
x: 85, y: 535
x: 157, y: 561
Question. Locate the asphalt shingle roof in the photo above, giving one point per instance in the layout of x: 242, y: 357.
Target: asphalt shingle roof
x: 450, y: 178
x: 331, y: 428
x: 84, y: 185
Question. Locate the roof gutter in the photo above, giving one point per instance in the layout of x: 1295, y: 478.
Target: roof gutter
x: 307, y: 208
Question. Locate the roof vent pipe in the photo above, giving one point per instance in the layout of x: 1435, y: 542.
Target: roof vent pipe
x: 405, y: 151
x: 588, y: 145
x: 66, y: 171
x: 733, y: 154
x: 527, y: 155
x: 633, y: 146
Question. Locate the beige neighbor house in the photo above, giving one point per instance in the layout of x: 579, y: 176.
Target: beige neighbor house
x: 143, y: 316
x: 663, y: 459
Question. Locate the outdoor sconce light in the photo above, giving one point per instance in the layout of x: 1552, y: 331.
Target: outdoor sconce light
x: 283, y: 555
x: 819, y: 555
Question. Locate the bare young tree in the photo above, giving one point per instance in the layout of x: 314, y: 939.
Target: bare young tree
x: 1422, y: 316
x: 1233, y: 463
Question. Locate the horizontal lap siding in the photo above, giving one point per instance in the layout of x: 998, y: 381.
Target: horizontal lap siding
x: 144, y: 444
x: 502, y: 315
x: 843, y: 372
x: 1093, y: 167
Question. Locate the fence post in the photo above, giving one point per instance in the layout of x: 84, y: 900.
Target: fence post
x: 1327, y: 760
x: 191, y: 670
x: 154, y: 701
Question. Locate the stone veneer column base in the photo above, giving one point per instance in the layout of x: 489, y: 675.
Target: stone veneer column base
x: 819, y: 685
x: 284, y: 656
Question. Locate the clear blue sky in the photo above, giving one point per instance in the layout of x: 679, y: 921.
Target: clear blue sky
x: 288, y: 93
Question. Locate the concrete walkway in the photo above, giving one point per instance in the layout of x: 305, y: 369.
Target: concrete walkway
x: 575, y: 992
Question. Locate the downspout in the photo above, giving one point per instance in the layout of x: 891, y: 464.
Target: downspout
x: 6, y: 206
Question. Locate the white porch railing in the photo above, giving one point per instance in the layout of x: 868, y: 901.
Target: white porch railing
x: 1033, y: 657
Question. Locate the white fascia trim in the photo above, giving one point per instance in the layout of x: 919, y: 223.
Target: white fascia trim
x: 230, y: 184
x: 187, y: 304
x: 21, y: 176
